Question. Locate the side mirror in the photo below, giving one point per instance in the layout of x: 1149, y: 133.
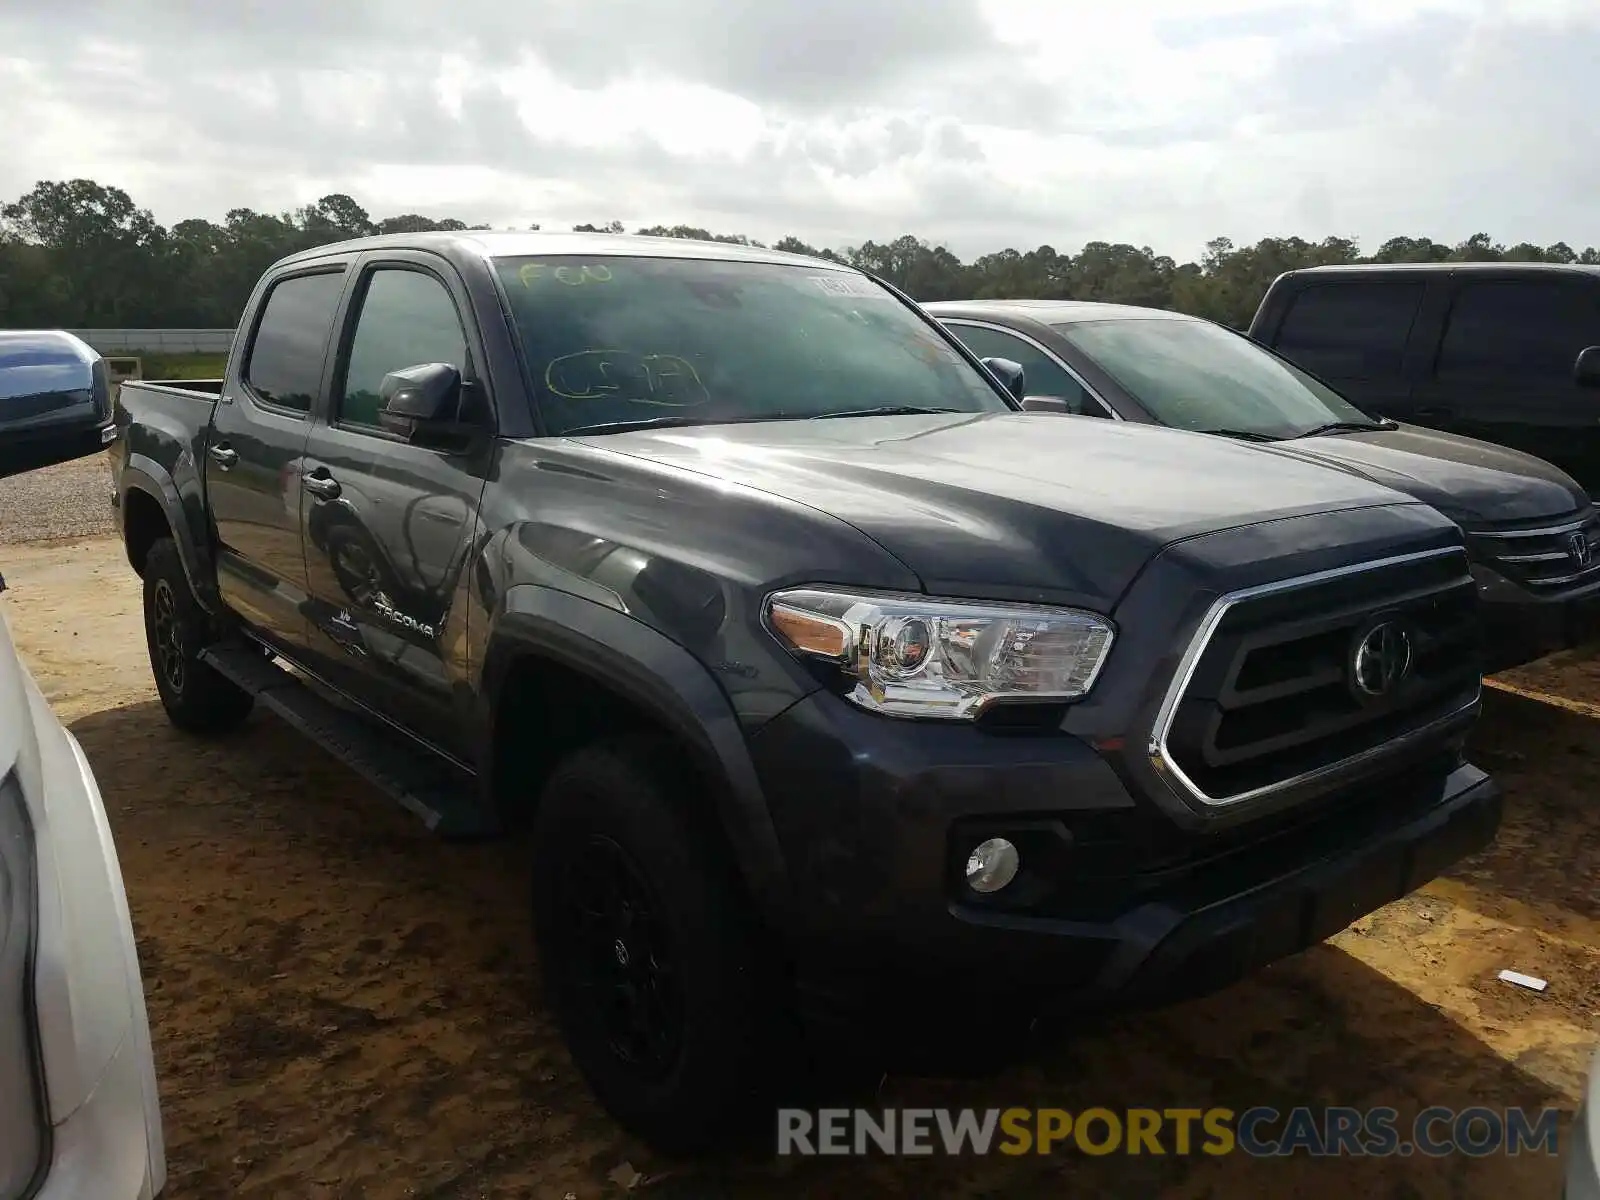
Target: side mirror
x: 1010, y: 375
x: 55, y: 400
x: 423, y: 403
x: 1586, y: 371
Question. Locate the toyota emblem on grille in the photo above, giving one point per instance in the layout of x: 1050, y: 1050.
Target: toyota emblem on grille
x: 1381, y: 660
x: 1578, y: 547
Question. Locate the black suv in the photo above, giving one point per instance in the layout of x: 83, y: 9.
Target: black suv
x: 1506, y: 352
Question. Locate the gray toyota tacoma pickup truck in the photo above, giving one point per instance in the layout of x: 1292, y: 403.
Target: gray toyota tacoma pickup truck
x: 836, y: 692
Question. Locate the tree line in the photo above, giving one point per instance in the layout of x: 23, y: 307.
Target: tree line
x: 78, y: 254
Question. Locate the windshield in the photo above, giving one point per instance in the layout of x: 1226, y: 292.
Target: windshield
x: 616, y: 339
x: 1194, y: 375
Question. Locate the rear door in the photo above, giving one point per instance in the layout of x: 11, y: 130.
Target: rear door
x: 1351, y: 331
x: 258, y: 435
x: 1502, y: 365
x: 388, y: 524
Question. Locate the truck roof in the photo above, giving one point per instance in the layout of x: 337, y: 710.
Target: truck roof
x: 488, y: 243
x: 1530, y: 268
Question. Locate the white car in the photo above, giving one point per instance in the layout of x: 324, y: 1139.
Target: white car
x: 1583, y: 1157
x: 79, y: 1114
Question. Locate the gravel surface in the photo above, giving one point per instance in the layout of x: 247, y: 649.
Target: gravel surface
x: 71, y: 499
x: 345, y: 1008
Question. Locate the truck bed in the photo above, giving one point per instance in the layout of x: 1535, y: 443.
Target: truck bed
x: 165, y: 423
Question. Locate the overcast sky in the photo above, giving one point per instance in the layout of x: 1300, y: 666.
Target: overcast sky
x: 978, y: 123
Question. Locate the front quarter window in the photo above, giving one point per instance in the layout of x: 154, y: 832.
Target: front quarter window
x: 616, y: 340
x: 1042, y: 374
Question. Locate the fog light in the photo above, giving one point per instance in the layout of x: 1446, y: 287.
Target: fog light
x: 991, y: 865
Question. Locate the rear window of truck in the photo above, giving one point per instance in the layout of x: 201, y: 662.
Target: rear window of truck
x: 1350, y: 330
x: 286, y: 355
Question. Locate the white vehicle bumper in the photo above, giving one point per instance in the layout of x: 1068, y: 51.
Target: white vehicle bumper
x: 92, y: 1029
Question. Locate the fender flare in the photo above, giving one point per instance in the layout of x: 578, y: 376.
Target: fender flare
x: 141, y: 473
x: 663, y: 679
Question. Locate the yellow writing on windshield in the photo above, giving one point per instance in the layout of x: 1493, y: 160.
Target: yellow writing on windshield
x: 572, y: 276
x: 660, y: 379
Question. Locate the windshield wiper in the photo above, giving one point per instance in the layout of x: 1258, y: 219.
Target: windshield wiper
x: 642, y: 423
x: 1349, y: 427
x: 1244, y: 435
x: 678, y: 422
x: 893, y: 410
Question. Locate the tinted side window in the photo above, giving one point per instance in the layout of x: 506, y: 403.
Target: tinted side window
x: 1350, y: 330
x: 1042, y: 374
x: 285, y: 364
x: 407, y: 319
x: 1532, y: 329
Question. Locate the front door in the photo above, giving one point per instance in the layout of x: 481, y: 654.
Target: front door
x: 1504, y: 369
x: 252, y: 458
x: 388, y: 524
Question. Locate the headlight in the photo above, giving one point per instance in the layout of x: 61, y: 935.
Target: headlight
x: 951, y: 659
x: 22, y: 1133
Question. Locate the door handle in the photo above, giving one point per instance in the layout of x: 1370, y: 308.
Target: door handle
x: 224, y: 456
x: 325, y: 486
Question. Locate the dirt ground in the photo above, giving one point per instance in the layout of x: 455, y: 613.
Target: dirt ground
x: 345, y: 1007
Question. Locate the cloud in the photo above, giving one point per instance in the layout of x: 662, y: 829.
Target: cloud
x: 981, y: 123
x: 818, y: 54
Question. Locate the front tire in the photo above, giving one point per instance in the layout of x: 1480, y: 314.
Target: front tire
x: 647, y: 950
x: 197, y: 698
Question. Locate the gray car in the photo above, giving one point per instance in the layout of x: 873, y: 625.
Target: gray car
x: 1533, y: 535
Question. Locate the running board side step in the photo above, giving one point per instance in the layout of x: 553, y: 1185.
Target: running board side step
x: 427, y: 785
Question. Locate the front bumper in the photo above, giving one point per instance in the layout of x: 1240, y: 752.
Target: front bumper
x: 1119, y: 908
x: 1520, y: 626
x: 1212, y: 945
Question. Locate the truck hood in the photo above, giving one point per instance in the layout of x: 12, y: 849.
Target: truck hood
x: 1469, y: 481
x: 1036, y: 506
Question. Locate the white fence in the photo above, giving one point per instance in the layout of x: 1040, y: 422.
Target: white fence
x: 157, y: 341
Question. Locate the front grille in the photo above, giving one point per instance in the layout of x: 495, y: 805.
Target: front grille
x: 1553, y: 556
x: 1272, y: 692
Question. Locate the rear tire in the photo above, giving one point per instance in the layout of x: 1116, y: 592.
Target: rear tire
x: 647, y: 951
x: 197, y: 697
